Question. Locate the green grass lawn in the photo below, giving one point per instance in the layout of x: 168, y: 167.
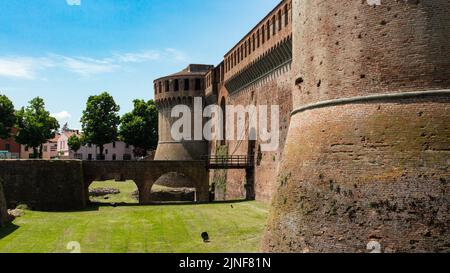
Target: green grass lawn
x: 141, y: 229
x: 126, y: 192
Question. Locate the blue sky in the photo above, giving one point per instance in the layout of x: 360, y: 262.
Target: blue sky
x: 66, y: 50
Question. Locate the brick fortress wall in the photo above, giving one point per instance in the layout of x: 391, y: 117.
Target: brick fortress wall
x: 368, y: 148
x: 257, y: 71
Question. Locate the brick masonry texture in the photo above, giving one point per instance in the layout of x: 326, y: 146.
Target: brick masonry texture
x: 366, y: 171
x: 63, y: 185
x: 275, y: 90
x: 43, y: 185
x: 3, y: 210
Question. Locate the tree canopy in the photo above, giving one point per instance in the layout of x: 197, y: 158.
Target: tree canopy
x: 100, y: 120
x: 7, y: 117
x: 35, y: 126
x: 140, y: 127
x: 74, y: 143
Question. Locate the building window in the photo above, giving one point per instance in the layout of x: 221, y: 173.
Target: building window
x: 257, y: 39
x: 106, y: 151
x: 176, y: 85
x: 114, y: 144
x: 274, y: 26
x: 166, y: 86
x: 7, y: 147
x: 89, y: 157
x: 198, y: 84
x: 186, y: 85
x: 268, y: 29
x: 114, y: 157
x: 160, y: 87
x: 263, y: 34
x: 280, y: 25
x: 254, y: 42
x: 286, y: 15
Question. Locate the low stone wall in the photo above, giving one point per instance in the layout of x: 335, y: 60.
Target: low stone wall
x: 62, y: 185
x: 3, y: 211
x: 146, y: 173
x: 44, y: 185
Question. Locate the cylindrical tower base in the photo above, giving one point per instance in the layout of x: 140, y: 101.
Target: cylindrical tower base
x: 366, y: 163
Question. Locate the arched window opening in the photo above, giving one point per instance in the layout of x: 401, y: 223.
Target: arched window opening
x: 286, y: 15
x: 257, y: 39
x: 176, y: 85
x: 274, y: 25
x: 186, y: 85
x: 280, y: 25
x: 166, y: 86
x: 263, y: 34
x: 198, y: 84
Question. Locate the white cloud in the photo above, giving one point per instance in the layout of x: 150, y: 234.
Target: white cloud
x: 87, y: 66
x: 140, y: 57
x: 176, y: 55
x: 61, y: 116
x: 22, y: 67
x: 73, y: 2
x: 28, y: 67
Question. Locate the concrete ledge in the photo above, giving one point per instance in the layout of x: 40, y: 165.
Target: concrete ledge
x: 371, y: 98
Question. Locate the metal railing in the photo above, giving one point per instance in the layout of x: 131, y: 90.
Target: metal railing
x: 229, y: 162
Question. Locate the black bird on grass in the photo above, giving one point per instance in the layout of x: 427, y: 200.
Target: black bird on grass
x: 205, y: 237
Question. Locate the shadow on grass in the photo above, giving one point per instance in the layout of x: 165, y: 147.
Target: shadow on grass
x: 96, y: 206
x: 7, y: 230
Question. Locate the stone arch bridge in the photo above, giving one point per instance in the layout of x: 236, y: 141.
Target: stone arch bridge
x: 63, y: 184
x: 146, y: 173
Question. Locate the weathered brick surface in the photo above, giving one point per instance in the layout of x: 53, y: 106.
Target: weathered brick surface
x: 43, y: 185
x: 146, y: 173
x: 276, y: 89
x: 3, y: 208
x: 348, y: 48
x: 179, y: 89
x: 359, y: 172
x: 375, y: 170
x: 63, y: 185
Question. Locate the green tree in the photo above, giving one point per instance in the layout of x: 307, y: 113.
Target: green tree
x: 140, y: 127
x: 74, y: 143
x: 7, y: 117
x: 35, y: 126
x: 100, y: 120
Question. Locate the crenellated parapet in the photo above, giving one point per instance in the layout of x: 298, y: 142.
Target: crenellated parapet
x: 189, y: 82
x: 266, y: 41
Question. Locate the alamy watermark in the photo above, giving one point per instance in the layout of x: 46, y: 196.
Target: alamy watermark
x: 233, y: 122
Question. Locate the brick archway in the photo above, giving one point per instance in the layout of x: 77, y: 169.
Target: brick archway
x: 145, y: 174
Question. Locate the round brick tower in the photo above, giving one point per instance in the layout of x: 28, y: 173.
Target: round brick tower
x: 179, y: 89
x: 366, y: 163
